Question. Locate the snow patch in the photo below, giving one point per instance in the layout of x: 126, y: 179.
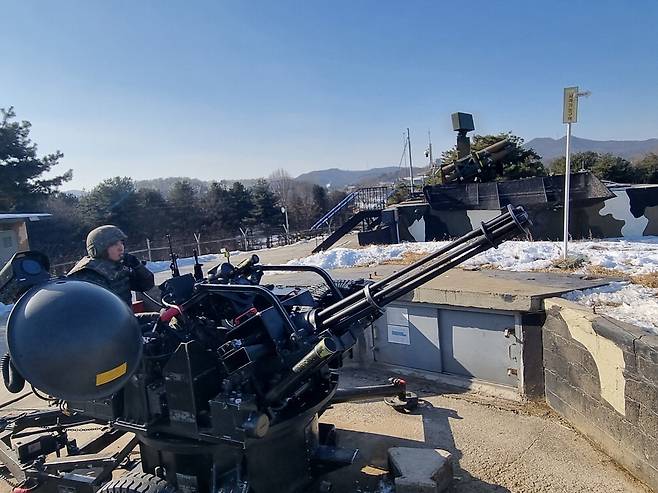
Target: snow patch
x: 629, y: 257
x: 162, y: 265
x: 624, y: 301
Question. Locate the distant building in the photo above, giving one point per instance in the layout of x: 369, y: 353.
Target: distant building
x: 13, y: 233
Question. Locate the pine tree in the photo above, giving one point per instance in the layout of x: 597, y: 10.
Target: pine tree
x: 320, y: 200
x: 238, y: 212
x: 647, y: 168
x: 150, y: 214
x: 214, y: 206
x: 113, y: 201
x: 266, y: 212
x: 21, y: 184
x: 184, y: 212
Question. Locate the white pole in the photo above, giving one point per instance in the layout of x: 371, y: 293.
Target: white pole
x: 285, y: 211
x: 411, y: 166
x: 148, y: 247
x: 567, y: 184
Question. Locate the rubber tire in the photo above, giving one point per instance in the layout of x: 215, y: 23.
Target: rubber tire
x: 137, y: 483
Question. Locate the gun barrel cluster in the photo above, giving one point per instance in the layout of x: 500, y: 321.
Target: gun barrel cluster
x: 374, y: 297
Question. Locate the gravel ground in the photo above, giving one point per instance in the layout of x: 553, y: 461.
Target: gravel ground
x: 497, y: 446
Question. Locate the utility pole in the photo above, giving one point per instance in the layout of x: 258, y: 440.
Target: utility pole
x: 569, y: 116
x: 411, y: 166
x: 428, y: 155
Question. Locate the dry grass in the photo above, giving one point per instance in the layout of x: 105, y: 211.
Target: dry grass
x: 569, y: 264
x: 598, y: 271
x: 407, y: 258
x: 647, y: 280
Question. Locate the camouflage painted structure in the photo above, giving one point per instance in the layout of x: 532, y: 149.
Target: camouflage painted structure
x: 598, y: 210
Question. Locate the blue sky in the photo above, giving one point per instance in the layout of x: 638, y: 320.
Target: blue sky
x: 237, y: 89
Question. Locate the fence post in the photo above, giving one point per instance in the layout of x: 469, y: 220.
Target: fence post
x: 148, y: 247
x: 197, y: 237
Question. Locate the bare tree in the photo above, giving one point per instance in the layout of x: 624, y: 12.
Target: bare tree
x: 281, y: 182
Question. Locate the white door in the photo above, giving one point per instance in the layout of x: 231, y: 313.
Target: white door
x: 8, y: 245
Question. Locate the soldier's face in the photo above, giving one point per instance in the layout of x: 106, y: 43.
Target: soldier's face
x: 115, y: 251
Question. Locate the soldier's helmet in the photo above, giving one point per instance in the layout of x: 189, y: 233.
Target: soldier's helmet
x: 101, y: 238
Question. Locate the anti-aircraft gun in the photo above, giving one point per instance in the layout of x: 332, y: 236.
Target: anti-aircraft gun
x: 222, y: 392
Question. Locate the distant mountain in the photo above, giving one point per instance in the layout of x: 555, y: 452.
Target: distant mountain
x: 340, y: 178
x: 550, y: 149
x: 75, y: 193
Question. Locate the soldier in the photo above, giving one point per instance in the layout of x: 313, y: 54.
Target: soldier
x: 109, y: 266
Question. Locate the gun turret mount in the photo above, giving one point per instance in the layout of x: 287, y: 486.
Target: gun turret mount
x: 223, y: 392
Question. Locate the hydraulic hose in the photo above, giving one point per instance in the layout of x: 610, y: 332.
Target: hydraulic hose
x: 14, y: 381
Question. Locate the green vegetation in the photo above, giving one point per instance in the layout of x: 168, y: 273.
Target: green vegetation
x: 181, y: 207
x: 610, y: 167
x: 21, y: 170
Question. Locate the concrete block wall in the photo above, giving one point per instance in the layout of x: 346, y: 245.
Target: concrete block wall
x: 601, y: 375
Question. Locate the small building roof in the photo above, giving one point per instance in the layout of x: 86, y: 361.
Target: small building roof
x: 26, y: 216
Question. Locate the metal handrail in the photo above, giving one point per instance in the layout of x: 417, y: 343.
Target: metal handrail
x: 367, y: 196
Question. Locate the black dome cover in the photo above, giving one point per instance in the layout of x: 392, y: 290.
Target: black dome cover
x: 74, y: 340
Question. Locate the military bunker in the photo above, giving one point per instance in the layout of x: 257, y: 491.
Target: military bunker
x: 598, y: 210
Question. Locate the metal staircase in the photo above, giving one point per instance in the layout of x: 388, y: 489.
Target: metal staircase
x: 372, y: 217
x: 366, y: 205
x: 369, y: 198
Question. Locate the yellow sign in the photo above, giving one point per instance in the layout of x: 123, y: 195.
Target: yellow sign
x: 570, y: 110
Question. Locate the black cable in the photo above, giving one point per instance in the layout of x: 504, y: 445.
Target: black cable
x: 41, y: 396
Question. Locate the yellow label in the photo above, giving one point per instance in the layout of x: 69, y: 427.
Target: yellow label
x: 113, y: 374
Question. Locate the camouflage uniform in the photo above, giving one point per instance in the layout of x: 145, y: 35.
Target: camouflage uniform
x: 115, y: 276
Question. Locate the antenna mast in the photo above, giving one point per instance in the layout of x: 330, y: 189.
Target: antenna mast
x: 411, y: 166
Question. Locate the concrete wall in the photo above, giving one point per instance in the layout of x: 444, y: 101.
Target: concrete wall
x: 602, y: 376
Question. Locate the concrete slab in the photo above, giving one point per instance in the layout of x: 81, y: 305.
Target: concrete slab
x: 485, y: 289
x: 420, y: 470
x: 499, y: 290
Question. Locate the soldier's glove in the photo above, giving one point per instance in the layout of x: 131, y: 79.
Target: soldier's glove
x: 131, y: 261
